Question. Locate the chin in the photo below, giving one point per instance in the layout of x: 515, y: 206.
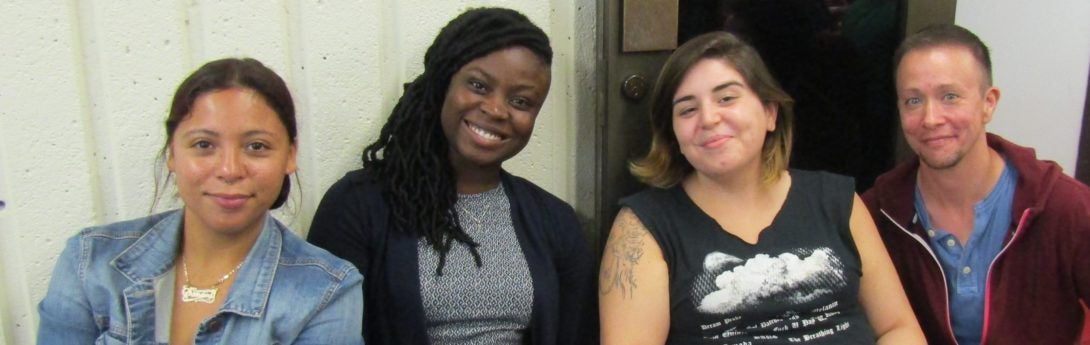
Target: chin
x: 941, y: 162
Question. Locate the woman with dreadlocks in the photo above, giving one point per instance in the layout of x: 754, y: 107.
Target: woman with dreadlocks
x: 454, y: 249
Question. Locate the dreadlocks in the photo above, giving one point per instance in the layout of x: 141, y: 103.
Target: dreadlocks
x: 411, y: 158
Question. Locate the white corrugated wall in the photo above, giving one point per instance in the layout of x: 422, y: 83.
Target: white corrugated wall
x: 85, y: 85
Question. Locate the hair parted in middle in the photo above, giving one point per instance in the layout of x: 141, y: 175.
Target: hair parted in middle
x: 664, y: 166
x: 411, y: 158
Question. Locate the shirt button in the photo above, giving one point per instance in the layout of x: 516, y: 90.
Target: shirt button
x: 951, y: 242
x: 931, y: 233
x: 966, y: 270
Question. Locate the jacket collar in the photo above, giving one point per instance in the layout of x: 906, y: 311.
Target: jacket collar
x: 1035, y: 181
x: 154, y: 253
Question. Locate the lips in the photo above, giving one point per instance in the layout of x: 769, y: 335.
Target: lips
x: 937, y: 140
x: 715, y: 141
x: 230, y: 201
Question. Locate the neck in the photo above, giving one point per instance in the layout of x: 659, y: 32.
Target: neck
x: 473, y: 179
x: 964, y: 184
x: 212, y: 253
x: 745, y: 186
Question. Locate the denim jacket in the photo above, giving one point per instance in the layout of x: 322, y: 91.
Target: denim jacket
x: 287, y: 291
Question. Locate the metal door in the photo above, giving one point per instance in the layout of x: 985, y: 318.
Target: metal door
x: 635, y: 44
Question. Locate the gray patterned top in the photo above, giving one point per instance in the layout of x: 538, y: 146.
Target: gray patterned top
x: 490, y: 304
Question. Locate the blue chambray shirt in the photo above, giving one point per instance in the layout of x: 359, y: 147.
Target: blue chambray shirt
x: 966, y: 266
x: 287, y: 291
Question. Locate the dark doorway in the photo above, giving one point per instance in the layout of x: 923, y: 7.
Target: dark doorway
x: 832, y: 56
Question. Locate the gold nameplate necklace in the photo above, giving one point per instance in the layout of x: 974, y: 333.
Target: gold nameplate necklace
x: 192, y: 293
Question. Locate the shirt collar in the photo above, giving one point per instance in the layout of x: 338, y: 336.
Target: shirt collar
x: 154, y: 253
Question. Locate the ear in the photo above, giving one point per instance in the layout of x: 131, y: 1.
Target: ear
x: 991, y: 100
x: 291, y: 167
x: 170, y: 158
x: 772, y: 111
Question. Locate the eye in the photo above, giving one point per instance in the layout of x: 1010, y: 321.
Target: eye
x: 727, y: 99
x: 257, y: 146
x: 202, y: 145
x: 521, y: 103
x: 686, y: 112
x: 912, y: 101
x: 950, y: 97
x: 477, y: 86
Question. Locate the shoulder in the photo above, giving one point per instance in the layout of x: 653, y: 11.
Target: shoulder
x: 1069, y: 199
x: 525, y: 192
x: 298, y: 255
x: 116, y: 237
x: 649, y: 197
x: 522, y: 187
x: 655, y: 210
x: 353, y: 201
x: 355, y: 184
x: 826, y: 185
x: 132, y: 228
x: 894, y: 182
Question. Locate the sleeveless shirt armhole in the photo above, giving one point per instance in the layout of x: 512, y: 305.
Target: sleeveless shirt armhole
x: 840, y: 197
x: 642, y: 205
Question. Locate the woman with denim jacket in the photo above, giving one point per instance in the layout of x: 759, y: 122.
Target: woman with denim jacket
x: 220, y: 270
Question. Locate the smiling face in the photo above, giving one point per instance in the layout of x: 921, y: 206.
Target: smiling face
x: 230, y: 155
x: 720, y: 123
x: 944, y: 104
x: 490, y: 107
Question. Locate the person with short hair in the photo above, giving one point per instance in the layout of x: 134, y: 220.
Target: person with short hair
x: 220, y: 270
x: 992, y: 243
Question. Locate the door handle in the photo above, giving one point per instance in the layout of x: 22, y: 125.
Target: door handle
x: 634, y: 87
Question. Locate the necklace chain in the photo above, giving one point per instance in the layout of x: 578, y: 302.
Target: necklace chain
x: 185, y: 273
x: 483, y: 200
x: 476, y: 220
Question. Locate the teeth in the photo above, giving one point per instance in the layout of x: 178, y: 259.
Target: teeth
x: 483, y: 133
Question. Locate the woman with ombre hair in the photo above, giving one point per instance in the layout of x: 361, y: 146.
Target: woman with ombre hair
x: 729, y: 246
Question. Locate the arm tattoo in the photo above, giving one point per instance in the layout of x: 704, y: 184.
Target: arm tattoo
x: 622, y: 255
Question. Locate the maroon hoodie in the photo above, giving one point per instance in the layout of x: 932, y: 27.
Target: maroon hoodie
x: 1035, y: 283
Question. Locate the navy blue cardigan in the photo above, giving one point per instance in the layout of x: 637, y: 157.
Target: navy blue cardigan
x: 352, y: 222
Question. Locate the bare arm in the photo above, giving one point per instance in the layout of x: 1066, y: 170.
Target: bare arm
x: 880, y: 290
x: 634, y: 295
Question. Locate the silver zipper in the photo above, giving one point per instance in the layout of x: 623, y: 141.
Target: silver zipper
x: 946, y: 290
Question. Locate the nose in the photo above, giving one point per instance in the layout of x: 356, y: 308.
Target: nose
x: 231, y: 168
x: 932, y: 115
x: 709, y: 117
x: 494, y: 106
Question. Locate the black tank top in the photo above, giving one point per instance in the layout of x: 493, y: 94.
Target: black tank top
x: 798, y: 284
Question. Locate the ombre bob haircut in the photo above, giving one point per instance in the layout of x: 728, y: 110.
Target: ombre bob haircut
x: 664, y: 166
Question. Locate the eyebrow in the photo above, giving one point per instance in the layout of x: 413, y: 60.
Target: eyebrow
x: 200, y: 132
x: 717, y: 88
x: 481, y: 71
x: 211, y: 133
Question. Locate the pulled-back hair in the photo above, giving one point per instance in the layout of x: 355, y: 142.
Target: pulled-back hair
x: 947, y: 35
x: 664, y: 166
x: 230, y: 73
x: 411, y: 158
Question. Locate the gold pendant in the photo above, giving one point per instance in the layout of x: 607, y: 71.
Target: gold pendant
x: 194, y: 294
